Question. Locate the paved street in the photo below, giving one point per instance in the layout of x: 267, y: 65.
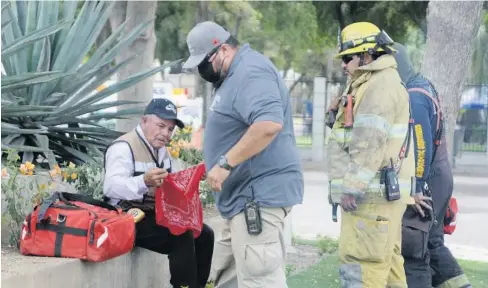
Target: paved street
x: 469, y: 241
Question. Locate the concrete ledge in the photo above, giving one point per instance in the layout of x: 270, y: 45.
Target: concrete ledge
x: 141, y: 268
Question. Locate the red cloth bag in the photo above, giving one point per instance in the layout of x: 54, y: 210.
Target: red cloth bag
x: 178, y: 205
x: 450, y: 219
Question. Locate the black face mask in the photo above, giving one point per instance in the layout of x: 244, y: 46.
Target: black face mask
x: 208, y: 74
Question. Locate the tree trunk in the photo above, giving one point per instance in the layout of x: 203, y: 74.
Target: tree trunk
x: 451, y: 31
x: 201, y: 86
x: 237, y: 26
x: 136, y: 12
x: 104, y: 34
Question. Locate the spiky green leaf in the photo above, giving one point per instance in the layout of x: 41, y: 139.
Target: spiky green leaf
x: 48, y: 92
x: 6, y: 23
x: 124, y: 84
x: 11, y: 79
x: 30, y: 38
x: 24, y: 148
x: 33, y: 81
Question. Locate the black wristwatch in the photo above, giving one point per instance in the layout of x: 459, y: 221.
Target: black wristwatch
x: 223, y: 163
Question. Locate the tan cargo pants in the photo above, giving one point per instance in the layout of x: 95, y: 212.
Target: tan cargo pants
x: 251, y: 261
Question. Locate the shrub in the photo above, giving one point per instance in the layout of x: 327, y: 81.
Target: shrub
x: 182, y: 148
x: 327, y: 245
x: 24, y: 186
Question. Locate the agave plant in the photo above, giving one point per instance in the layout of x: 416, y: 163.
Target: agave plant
x: 50, y: 105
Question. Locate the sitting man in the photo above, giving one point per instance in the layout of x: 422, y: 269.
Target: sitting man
x: 137, y: 163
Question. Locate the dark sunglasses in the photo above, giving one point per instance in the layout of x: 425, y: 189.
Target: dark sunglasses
x: 347, y: 58
x: 210, y: 54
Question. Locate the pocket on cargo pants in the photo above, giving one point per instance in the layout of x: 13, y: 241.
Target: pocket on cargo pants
x: 363, y: 238
x: 260, y: 260
x: 415, y: 235
x: 414, y: 242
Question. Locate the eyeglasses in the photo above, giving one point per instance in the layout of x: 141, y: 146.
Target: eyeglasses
x: 209, y: 55
x: 347, y: 58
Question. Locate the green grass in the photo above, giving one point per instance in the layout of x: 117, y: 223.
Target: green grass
x: 477, y: 272
x: 472, y: 147
x: 304, y: 141
x: 325, y: 273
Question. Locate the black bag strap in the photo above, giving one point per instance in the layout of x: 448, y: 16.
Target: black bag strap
x: 65, y: 197
x: 46, y: 203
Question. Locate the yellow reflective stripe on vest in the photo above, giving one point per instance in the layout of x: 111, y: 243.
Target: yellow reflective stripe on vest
x: 373, y: 187
x: 372, y: 121
x: 363, y: 176
x: 341, y: 135
x: 398, y: 131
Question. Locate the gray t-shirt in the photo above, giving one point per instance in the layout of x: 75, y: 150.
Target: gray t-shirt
x: 253, y: 91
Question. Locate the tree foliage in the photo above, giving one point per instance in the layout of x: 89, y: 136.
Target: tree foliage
x: 172, y: 22
x: 301, y: 36
x: 284, y: 31
x: 393, y: 17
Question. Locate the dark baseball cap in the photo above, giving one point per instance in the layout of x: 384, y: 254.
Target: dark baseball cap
x: 202, y: 39
x: 164, y: 109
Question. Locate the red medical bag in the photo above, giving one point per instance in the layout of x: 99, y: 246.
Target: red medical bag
x: 450, y: 219
x: 76, y: 226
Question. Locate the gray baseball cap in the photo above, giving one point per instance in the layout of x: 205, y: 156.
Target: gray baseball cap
x: 201, y: 40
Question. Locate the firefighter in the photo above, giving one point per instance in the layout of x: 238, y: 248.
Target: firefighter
x: 423, y: 239
x: 370, y: 170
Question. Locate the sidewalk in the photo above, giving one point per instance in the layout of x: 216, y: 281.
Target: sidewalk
x: 314, y: 217
x: 471, y: 164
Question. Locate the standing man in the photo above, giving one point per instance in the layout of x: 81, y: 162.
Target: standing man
x: 428, y: 262
x: 135, y: 164
x: 251, y: 157
x: 370, y: 169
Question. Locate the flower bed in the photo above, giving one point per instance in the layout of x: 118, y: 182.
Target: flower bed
x: 24, y: 185
x: 185, y: 149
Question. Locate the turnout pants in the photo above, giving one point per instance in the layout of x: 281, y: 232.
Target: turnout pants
x: 370, y: 246
x: 251, y: 261
x: 436, y: 267
x: 189, y: 258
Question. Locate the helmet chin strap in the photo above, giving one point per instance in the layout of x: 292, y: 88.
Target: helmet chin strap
x: 361, y: 59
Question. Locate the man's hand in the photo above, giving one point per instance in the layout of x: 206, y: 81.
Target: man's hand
x: 420, y: 202
x: 334, y: 103
x: 348, y: 202
x: 216, y: 177
x: 154, y: 177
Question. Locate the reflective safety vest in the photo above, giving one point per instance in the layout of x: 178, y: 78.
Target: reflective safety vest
x: 381, y: 122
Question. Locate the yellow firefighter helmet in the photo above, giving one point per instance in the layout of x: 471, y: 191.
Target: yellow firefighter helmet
x: 363, y: 37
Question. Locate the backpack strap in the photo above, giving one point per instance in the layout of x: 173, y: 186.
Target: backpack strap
x: 406, y: 142
x: 434, y: 101
x: 440, y: 117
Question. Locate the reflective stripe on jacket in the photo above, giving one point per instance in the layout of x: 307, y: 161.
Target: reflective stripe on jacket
x: 381, y: 120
